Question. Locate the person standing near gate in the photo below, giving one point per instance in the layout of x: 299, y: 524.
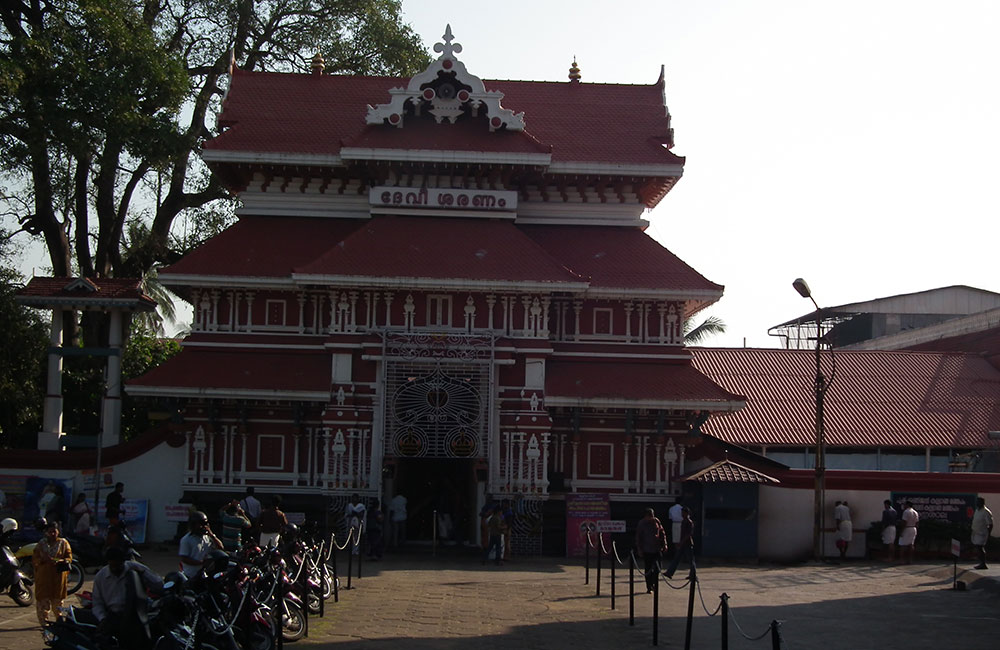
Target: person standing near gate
x: 251, y: 508
x: 685, y: 545
x: 982, y: 526
x: 650, y: 541
x: 889, y: 519
x: 674, y: 533
x: 845, y: 529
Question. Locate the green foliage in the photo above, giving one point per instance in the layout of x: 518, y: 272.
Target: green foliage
x: 23, y: 344
x: 694, y: 334
x: 144, y: 351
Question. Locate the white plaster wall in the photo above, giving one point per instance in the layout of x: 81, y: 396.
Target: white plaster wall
x: 155, y: 475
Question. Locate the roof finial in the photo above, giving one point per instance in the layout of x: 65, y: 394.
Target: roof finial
x: 318, y: 64
x: 447, y: 49
x: 574, y: 71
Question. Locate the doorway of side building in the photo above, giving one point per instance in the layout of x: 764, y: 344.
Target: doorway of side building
x: 443, y: 485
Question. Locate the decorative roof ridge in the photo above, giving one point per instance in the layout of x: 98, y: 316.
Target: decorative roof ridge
x: 447, y: 102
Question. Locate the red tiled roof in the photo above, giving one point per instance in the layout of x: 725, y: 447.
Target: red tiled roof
x: 726, y: 471
x: 630, y: 382
x: 307, y: 114
x: 264, y: 247
x: 617, y: 257
x: 259, y: 370
x: 877, y: 398
x: 442, y: 247
x: 127, y: 290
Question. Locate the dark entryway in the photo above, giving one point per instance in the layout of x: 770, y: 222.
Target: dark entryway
x: 445, y: 485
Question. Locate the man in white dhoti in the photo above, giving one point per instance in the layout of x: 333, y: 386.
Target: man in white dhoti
x: 982, y: 526
x: 845, y: 529
x: 909, y: 534
x: 889, y: 519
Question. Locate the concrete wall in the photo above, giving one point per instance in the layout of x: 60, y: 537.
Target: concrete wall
x: 785, y: 520
x: 154, y: 475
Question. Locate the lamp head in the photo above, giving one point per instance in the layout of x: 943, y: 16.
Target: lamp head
x: 802, y: 287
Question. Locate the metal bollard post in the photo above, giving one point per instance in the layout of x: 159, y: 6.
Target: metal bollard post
x: 614, y: 561
x: 336, y: 578
x: 693, y: 578
x: 350, y: 558
x: 656, y: 610
x: 775, y: 636
x: 324, y: 575
x: 598, y: 549
x: 305, y: 591
x: 586, y: 560
x: 631, y: 588
x: 725, y: 621
x: 361, y: 548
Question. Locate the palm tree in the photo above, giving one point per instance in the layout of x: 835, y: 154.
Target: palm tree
x: 694, y: 334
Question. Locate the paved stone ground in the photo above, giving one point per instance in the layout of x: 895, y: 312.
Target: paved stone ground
x: 451, y: 602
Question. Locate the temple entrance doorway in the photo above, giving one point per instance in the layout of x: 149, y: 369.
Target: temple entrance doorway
x: 446, y: 486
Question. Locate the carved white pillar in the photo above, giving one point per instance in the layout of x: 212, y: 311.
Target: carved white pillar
x: 332, y: 295
x: 526, y: 304
x: 354, y: 311
x: 112, y: 401
x: 388, y: 308
x: 625, y: 446
x: 658, y: 481
x: 211, y: 457
x: 243, y: 456
x: 302, y: 312
x: 629, y: 308
x: 232, y: 309
x: 189, y: 458
x: 491, y: 300
x: 521, y: 464
x: 546, y: 302
x: 545, y: 461
x: 326, y: 457
x: 575, y: 445
x: 509, y: 465
x: 249, y: 311
x: 577, y: 309
x: 215, y: 310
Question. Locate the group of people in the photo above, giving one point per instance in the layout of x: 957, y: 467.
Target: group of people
x: 899, y: 528
x: 652, y: 540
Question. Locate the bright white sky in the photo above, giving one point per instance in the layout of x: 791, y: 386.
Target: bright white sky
x: 853, y: 143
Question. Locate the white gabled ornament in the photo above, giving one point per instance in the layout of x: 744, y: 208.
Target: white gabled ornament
x: 432, y: 90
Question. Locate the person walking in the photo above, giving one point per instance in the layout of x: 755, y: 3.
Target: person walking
x: 495, y: 527
x: 650, y: 541
x: 845, y: 529
x: 82, y: 516
x: 889, y: 519
x: 685, y: 544
x: 982, y: 526
x: 397, y: 520
x: 908, y: 537
x: 50, y: 560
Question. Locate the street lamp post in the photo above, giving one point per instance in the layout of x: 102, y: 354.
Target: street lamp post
x: 820, y: 386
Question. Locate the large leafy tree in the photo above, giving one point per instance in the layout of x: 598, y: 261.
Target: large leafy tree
x: 104, y: 105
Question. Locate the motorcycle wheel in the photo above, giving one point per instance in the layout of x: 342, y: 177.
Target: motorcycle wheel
x: 293, y: 623
x: 313, y: 603
x: 26, y: 567
x: 22, y: 594
x: 74, y: 579
x: 257, y: 637
x: 327, y: 587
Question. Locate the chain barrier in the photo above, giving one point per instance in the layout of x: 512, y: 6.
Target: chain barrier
x: 678, y: 587
x: 705, y: 607
x: 350, y: 534
x: 745, y: 635
x: 302, y: 564
x: 614, y: 547
x: 329, y: 549
x: 590, y: 540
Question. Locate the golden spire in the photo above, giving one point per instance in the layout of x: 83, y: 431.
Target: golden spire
x: 318, y: 64
x: 574, y: 71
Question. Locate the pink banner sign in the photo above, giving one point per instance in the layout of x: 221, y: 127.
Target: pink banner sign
x: 583, y: 511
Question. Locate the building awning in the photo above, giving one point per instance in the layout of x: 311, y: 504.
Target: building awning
x: 635, y: 385
x: 726, y: 471
x: 246, y: 374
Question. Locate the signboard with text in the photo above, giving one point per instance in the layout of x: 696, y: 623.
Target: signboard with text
x: 583, y: 511
x: 956, y: 508
x: 443, y: 199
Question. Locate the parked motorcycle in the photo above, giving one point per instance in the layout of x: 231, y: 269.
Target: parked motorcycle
x: 17, y: 585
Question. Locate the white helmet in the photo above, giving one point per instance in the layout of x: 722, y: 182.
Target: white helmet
x: 8, y: 525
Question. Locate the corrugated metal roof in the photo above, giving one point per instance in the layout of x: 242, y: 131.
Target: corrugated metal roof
x: 877, y: 398
x: 726, y: 471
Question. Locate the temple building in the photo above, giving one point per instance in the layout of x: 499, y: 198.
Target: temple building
x: 439, y: 286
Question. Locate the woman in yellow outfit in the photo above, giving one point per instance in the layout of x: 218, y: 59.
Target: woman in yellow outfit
x: 51, y: 560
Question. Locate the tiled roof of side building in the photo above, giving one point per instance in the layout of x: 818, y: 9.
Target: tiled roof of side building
x: 617, y: 257
x: 309, y: 114
x: 64, y: 290
x: 888, y: 399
